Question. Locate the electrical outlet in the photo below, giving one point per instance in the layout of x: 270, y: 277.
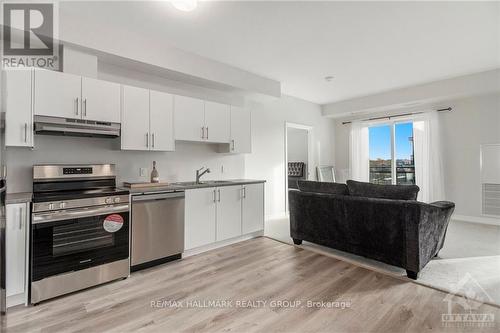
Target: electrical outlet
x: 143, y: 172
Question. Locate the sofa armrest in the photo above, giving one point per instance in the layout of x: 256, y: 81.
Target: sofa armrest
x: 426, y: 237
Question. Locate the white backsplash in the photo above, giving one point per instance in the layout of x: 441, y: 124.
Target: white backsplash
x: 172, y: 166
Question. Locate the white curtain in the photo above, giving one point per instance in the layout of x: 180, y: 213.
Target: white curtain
x: 359, y: 157
x: 428, y: 162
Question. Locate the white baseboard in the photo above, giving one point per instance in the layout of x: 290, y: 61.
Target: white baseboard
x: 278, y: 216
x: 477, y: 219
x: 14, y: 300
x: 204, y: 248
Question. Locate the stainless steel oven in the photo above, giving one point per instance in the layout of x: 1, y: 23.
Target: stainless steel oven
x: 79, y: 232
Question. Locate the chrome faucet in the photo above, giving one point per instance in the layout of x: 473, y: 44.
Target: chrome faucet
x: 198, y: 174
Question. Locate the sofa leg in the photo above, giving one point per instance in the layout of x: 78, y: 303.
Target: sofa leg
x: 297, y: 241
x: 412, y: 275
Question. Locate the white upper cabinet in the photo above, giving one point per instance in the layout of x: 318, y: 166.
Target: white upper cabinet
x: 217, y: 122
x: 19, y: 113
x: 100, y: 100
x: 241, y: 136
x: 161, y: 121
x: 135, y: 119
x: 189, y: 119
x: 57, y: 94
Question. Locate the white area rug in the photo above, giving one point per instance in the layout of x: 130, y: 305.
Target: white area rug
x: 468, y: 264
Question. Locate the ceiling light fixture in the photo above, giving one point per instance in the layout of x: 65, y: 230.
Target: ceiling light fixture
x: 185, y: 5
x: 328, y: 78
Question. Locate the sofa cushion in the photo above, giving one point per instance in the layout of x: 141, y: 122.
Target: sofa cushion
x: 368, y: 190
x: 322, y: 187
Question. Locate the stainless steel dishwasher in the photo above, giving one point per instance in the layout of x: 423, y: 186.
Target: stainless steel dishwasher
x: 157, y: 228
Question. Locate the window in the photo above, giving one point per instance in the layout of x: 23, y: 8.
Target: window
x: 391, y: 154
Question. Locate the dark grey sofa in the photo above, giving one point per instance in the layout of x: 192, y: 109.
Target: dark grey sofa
x: 366, y: 220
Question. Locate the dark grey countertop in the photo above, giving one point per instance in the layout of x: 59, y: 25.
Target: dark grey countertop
x: 176, y: 186
x: 21, y: 197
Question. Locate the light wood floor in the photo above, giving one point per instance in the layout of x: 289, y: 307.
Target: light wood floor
x: 259, y: 269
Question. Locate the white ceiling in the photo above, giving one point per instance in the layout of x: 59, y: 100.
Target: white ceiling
x: 368, y: 47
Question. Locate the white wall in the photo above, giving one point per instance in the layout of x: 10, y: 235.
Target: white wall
x: 297, y: 145
x: 267, y: 160
x: 473, y: 121
x: 172, y: 166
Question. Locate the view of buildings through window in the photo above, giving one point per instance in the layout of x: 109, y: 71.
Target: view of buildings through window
x: 388, y: 165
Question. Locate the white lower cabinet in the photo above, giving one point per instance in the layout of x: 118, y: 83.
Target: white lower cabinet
x: 252, y: 208
x: 228, y: 212
x: 219, y: 213
x: 16, y: 253
x: 199, y: 217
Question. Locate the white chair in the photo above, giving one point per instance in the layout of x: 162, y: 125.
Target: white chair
x: 326, y: 173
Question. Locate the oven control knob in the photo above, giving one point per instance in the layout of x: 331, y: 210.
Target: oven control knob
x: 62, y: 205
x: 108, y: 201
x: 116, y: 199
x: 51, y: 206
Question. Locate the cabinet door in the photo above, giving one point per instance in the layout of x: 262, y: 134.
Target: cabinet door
x: 228, y: 212
x: 100, y: 100
x: 199, y: 228
x: 161, y: 121
x: 241, y: 136
x: 19, y: 115
x: 135, y: 118
x: 189, y: 119
x: 253, y: 208
x: 57, y: 94
x: 217, y: 122
x: 15, y: 248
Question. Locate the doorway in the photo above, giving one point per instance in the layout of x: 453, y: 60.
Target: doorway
x: 298, y: 156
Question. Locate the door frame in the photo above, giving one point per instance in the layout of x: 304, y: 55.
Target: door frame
x: 310, y: 155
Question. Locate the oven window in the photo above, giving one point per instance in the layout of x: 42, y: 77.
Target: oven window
x: 88, y: 234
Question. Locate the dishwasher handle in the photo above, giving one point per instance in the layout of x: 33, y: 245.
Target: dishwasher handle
x: 157, y: 196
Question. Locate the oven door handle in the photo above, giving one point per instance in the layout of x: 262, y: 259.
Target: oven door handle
x: 39, y: 218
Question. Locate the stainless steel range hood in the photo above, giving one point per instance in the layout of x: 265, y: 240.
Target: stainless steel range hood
x: 76, y: 127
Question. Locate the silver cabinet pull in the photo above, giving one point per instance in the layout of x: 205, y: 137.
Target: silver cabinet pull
x: 218, y: 192
x: 147, y: 140
x: 232, y: 141
x: 207, y: 133
x: 244, y: 192
x: 25, y: 132
x: 153, y: 140
x: 77, y: 102
x: 214, y: 195
x: 203, y: 132
x: 85, y: 107
x: 21, y: 218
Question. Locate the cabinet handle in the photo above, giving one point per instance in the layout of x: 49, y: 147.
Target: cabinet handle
x: 214, y: 196
x: 147, y: 140
x: 218, y: 192
x: 85, y: 107
x: 25, y: 132
x: 207, y: 133
x: 244, y: 192
x: 76, y: 102
x: 232, y: 141
x: 203, y: 132
x: 21, y: 218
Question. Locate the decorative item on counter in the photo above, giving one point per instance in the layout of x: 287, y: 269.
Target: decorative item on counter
x: 155, y: 177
